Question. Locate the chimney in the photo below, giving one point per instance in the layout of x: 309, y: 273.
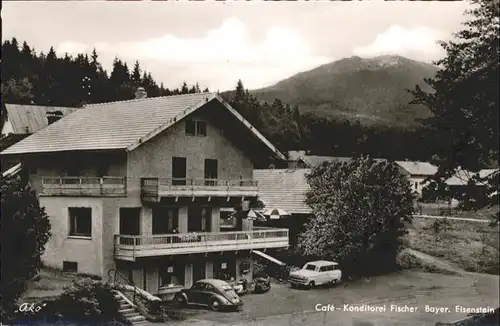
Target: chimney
x: 53, y: 116
x: 140, y: 93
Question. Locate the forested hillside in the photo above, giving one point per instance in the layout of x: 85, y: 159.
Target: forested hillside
x: 58, y: 79
x: 61, y: 80
x: 372, y: 91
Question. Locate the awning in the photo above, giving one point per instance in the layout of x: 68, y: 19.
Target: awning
x: 13, y: 170
x: 266, y: 256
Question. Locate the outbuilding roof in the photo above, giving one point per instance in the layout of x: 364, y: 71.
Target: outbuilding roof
x: 28, y: 119
x: 283, y: 188
x: 415, y: 168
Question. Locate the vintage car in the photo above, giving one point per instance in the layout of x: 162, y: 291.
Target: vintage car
x: 212, y: 293
x: 316, y: 273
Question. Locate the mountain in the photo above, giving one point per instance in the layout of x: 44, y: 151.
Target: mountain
x: 372, y: 91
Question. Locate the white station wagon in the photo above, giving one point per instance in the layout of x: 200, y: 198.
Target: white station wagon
x: 316, y: 273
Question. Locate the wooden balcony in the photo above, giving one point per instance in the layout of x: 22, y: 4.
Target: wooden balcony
x: 132, y: 247
x: 152, y: 189
x: 84, y: 186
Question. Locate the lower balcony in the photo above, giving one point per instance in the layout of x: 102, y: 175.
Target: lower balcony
x: 153, y: 189
x: 84, y: 186
x: 132, y: 247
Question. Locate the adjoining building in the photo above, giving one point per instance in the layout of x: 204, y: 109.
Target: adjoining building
x: 285, y: 189
x: 141, y: 186
x: 19, y: 121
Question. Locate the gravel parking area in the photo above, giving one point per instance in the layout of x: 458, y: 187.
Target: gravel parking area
x: 286, y: 306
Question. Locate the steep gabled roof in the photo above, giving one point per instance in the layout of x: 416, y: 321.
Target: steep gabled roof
x: 123, y: 125
x: 285, y: 189
x: 28, y: 119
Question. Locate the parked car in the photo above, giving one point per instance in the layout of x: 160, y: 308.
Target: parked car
x: 262, y: 283
x: 212, y: 293
x: 316, y: 273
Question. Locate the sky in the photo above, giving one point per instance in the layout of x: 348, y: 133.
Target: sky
x: 217, y: 43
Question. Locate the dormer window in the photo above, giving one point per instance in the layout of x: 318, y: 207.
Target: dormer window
x: 196, y: 128
x: 201, y: 128
x: 190, y: 127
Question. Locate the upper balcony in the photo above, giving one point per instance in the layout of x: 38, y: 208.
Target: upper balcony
x: 153, y: 189
x: 84, y: 186
x: 131, y: 247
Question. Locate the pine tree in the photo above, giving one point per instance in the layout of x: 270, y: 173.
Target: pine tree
x: 239, y: 94
x: 136, y: 75
x: 464, y: 101
x: 184, y: 89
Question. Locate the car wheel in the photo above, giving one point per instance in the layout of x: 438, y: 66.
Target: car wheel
x: 215, y: 305
x: 311, y: 285
x: 293, y: 285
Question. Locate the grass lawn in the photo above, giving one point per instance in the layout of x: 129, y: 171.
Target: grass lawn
x: 471, y: 246
x: 50, y: 284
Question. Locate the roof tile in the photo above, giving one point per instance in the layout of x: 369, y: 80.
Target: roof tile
x: 285, y: 189
x: 114, y: 125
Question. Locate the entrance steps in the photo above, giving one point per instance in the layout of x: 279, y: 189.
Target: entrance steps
x: 129, y: 312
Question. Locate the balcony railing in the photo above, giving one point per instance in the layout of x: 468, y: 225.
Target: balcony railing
x: 84, y: 186
x: 154, y: 188
x: 131, y: 247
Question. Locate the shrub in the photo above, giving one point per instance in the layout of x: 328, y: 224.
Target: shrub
x: 25, y: 230
x: 361, y: 208
x: 84, y: 302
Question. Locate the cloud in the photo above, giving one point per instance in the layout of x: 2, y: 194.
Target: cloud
x: 71, y: 47
x: 417, y: 43
x: 227, y: 53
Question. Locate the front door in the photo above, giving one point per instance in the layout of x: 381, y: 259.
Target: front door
x: 198, y: 271
x: 199, y: 219
x: 194, y: 219
x: 130, y: 221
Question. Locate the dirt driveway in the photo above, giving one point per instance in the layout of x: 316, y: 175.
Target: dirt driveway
x: 286, y: 306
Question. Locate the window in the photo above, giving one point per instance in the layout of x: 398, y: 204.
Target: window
x: 70, y: 266
x: 245, y: 267
x: 330, y: 268
x: 130, y: 220
x: 226, y: 218
x: 178, y: 171
x: 310, y: 267
x: 165, y: 220
x: 199, y: 286
x: 201, y: 128
x: 172, y: 275
x: 323, y: 269
x: 416, y: 185
x: 210, y: 288
x: 196, y: 128
x: 80, y: 221
x: 190, y: 127
x: 210, y: 172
